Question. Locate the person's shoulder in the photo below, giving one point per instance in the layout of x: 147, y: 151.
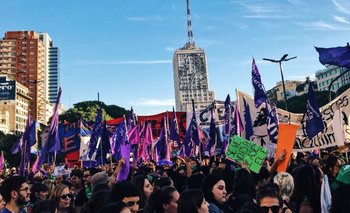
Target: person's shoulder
x: 214, y: 208
x: 5, y: 210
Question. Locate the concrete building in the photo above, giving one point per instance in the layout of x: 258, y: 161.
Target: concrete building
x: 326, y: 76
x: 22, y: 58
x: 52, y: 68
x: 190, y: 71
x: 14, y: 105
x: 276, y: 92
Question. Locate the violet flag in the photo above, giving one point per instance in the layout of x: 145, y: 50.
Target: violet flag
x: 259, y: 89
x: 125, y: 154
x: 104, y: 146
x: 339, y: 56
x: 192, y: 136
x: 2, y: 160
x: 134, y: 135
x: 52, y: 143
x: 174, y: 129
x: 118, y: 138
x: 228, y: 116
x: 161, y: 147
x: 96, y: 133
x: 314, y: 121
x: 212, y: 133
x: 248, y: 121
x: 272, y: 123
x: 131, y: 120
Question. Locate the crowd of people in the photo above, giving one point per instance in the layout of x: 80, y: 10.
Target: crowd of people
x: 211, y: 184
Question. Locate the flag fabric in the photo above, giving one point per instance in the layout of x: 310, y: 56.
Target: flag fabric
x: 29, y: 139
x: 29, y: 135
x: 272, y: 123
x: 227, y: 118
x: 161, y: 147
x: 104, y: 146
x: 52, y: 143
x: 236, y: 124
x: 96, y: 133
x: 131, y: 120
x: 2, y: 160
x: 248, y: 121
x: 124, y: 153
x: 326, y: 196
x: 134, y: 135
x: 259, y: 89
x: 192, y: 137
x: 339, y: 56
x: 118, y: 138
x: 314, y: 122
x: 212, y: 134
x: 147, y: 142
x: 174, y: 129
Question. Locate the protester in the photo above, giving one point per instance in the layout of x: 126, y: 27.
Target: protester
x: 214, y: 189
x: 341, y: 195
x: 127, y: 193
x: 119, y: 207
x: 2, y: 203
x: 144, y: 187
x: 78, y: 189
x: 163, y: 200
x: 16, y: 193
x: 192, y: 201
x: 62, y: 197
x: 38, y: 192
x: 285, y: 182
x: 269, y: 200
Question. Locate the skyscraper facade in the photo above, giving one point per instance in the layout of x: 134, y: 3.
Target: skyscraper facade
x: 191, y: 74
x: 326, y: 76
x: 52, y: 68
x: 23, y: 59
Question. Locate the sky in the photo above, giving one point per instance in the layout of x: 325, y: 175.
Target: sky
x: 123, y: 49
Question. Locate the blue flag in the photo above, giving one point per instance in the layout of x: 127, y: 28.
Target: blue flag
x: 53, y: 141
x: 212, y: 133
x: 28, y: 140
x: 272, y: 123
x: 228, y: 115
x: 314, y: 122
x: 104, y: 146
x: 174, y: 129
x: 131, y: 120
x: 96, y: 133
x: 259, y: 89
x: 192, y: 136
x: 248, y: 121
x: 161, y: 146
x: 339, y: 56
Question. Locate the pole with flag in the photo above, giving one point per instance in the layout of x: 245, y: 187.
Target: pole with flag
x: 52, y: 143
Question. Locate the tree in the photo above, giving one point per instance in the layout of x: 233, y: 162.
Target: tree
x: 87, y: 111
x: 6, y: 143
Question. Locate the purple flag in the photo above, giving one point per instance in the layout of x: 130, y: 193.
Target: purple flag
x: 96, y: 133
x: 259, y: 90
x: 237, y: 124
x: 339, y: 56
x: 2, y: 160
x: 227, y: 118
x: 248, y: 121
x: 212, y: 133
x: 314, y: 122
x: 118, y: 138
x: 131, y: 120
x: 134, y: 135
x: 161, y: 146
x: 272, y: 123
x: 125, y: 153
x: 104, y: 146
x: 174, y: 129
x: 52, y: 143
x: 192, y: 136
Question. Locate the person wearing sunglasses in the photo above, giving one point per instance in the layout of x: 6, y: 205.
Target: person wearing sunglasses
x: 269, y: 200
x: 62, y: 197
x: 127, y: 193
x: 16, y: 193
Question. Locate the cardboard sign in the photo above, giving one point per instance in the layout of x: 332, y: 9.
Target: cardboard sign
x: 241, y: 150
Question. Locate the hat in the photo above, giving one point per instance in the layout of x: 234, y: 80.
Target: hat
x: 99, y: 178
x: 344, y: 175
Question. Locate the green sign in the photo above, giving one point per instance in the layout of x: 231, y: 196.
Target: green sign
x: 241, y: 150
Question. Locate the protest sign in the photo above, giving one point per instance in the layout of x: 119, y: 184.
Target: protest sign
x: 241, y: 150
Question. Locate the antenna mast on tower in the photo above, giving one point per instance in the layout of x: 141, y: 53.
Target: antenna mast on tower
x: 190, y: 42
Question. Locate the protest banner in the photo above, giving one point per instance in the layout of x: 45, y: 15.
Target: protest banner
x: 241, y: 150
x: 286, y: 139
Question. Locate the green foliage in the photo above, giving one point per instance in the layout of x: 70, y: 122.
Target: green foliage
x: 6, y: 143
x: 87, y: 111
x: 297, y: 104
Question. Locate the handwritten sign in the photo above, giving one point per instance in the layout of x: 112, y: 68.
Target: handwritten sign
x: 241, y: 150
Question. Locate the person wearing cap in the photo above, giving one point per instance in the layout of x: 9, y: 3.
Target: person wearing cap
x: 16, y: 193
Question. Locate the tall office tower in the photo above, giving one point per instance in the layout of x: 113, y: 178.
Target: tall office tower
x: 52, y: 68
x: 24, y: 61
x: 191, y: 74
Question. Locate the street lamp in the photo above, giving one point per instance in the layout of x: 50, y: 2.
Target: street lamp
x: 284, y: 58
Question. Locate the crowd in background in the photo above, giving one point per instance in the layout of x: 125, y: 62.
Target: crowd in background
x: 210, y: 184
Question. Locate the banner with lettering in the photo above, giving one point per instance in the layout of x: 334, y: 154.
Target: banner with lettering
x: 302, y: 143
x: 241, y: 150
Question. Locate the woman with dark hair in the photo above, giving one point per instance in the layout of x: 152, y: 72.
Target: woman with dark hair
x: 243, y: 183
x: 62, y: 197
x: 307, y: 190
x: 144, y: 187
x: 163, y: 200
x: 95, y: 202
x: 192, y: 201
x: 214, y: 189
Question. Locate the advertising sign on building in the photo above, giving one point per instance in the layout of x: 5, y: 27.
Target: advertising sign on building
x: 7, y: 89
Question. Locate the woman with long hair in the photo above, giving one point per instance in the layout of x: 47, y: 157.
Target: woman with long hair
x: 192, y: 201
x: 214, y: 189
x: 144, y: 187
x: 163, y: 200
x: 62, y: 197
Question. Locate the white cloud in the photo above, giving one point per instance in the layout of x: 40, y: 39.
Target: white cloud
x: 340, y: 19
x: 153, y: 102
x: 321, y: 25
x: 296, y: 2
x: 301, y: 77
x: 143, y: 19
x: 342, y: 6
x: 170, y: 49
x: 260, y: 16
x: 126, y: 62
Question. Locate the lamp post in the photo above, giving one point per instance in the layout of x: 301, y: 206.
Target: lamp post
x: 284, y: 58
